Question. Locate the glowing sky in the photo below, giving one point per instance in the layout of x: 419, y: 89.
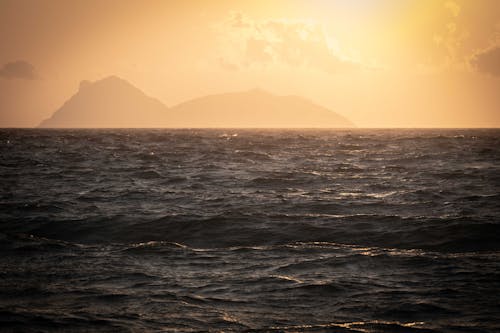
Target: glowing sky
x: 381, y: 63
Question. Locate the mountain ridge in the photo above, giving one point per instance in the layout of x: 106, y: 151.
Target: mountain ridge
x: 113, y: 102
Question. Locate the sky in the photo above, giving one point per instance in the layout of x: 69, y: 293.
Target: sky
x: 380, y: 63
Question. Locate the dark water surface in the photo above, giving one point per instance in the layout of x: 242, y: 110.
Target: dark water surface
x: 250, y: 230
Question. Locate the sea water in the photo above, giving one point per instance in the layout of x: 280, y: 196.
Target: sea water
x: 250, y: 230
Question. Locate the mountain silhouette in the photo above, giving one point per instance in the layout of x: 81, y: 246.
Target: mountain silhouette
x: 110, y: 102
x: 114, y: 102
x: 254, y: 108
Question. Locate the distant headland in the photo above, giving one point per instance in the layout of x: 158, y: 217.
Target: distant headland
x: 115, y: 103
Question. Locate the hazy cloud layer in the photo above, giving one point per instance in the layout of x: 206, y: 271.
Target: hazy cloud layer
x: 452, y: 35
x: 19, y: 69
x: 293, y: 43
x: 488, y: 61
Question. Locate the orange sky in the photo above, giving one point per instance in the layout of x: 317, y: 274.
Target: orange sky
x: 380, y: 63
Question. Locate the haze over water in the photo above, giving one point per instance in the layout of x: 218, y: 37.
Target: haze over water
x: 250, y: 230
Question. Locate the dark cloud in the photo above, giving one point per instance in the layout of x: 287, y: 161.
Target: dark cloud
x: 19, y: 69
x: 488, y: 61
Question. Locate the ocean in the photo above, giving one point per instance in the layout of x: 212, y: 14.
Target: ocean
x: 250, y: 230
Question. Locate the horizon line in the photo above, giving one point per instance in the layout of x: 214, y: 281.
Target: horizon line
x: 244, y: 128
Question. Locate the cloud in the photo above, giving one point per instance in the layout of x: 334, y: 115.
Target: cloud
x: 453, y: 7
x: 19, y: 69
x: 280, y: 42
x: 452, y: 35
x: 487, y: 61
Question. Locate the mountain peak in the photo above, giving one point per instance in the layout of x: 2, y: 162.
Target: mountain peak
x: 84, y: 84
x: 112, y: 79
x: 108, y: 102
x: 255, y: 108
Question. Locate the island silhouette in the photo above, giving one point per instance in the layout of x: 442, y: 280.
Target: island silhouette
x: 113, y: 102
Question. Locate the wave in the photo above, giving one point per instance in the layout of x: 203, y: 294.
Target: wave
x: 227, y: 230
x: 266, y: 231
